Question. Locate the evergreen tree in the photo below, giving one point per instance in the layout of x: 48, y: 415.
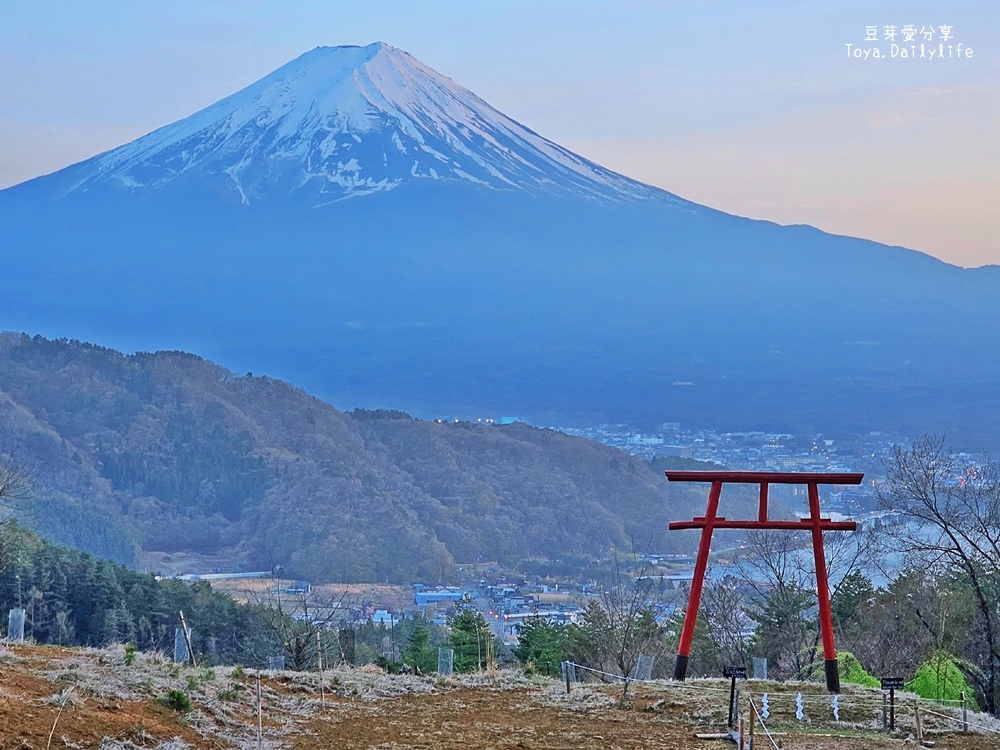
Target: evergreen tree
x: 73, y: 599
x: 471, y: 640
x: 543, y: 644
x: 786, y: 632
x: 853, y: 596
x: 419, y: 652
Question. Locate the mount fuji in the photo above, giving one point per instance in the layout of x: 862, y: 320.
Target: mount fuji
x: 368, y: 229
x: 344, y: 122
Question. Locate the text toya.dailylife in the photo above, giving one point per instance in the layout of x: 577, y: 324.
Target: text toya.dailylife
x: 910, y: 52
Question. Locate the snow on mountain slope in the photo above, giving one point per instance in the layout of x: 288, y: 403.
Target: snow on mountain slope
x: 346, y: 121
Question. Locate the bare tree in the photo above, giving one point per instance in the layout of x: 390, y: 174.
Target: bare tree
x: 954, y: 513
x: 776, y: 571
x: 15, y: 482
x: 298, y: 620
x: 780, y: 569
x: 723, y: 612
x: 16, y: 485
x: 621, y: 626
x: 774, y: 560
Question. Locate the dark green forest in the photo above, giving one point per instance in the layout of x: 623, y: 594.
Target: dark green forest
x: 72, y: 598
x: 169, y: 452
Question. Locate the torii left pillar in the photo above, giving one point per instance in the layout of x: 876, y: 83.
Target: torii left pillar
x: 815, y: 523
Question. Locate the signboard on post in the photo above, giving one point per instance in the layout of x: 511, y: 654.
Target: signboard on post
x: 733, y: 673
x: 892, y: 684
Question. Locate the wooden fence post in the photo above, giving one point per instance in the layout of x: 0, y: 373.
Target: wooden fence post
x: 187, y: 639
x: 319, y: 654
x: 260, y: 711
x: 731, y: 723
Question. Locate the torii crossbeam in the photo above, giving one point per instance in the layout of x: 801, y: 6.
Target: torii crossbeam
x: 814, y: 523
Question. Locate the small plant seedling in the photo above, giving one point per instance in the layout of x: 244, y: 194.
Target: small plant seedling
x: 130, y: 651
x: 232, y: 693
x: 177, y: 700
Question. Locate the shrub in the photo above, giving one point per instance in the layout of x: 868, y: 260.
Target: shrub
x: 177, y: 700
x: 388, y: 665
x: 232, y: 693
x: 851, y: 671
x: 939, y: 678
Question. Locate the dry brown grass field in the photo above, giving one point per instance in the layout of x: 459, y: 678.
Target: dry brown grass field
x: 382, y: 596
x: 87, y: 698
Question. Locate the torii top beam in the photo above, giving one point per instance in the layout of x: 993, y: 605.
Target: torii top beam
x: 767, y: 477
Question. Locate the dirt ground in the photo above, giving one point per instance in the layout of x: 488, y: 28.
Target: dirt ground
x: 90, y: 698
x: 31, y: 698
x: 541, y: 718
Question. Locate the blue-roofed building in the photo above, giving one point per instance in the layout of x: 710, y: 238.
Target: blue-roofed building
x: 433, y: 596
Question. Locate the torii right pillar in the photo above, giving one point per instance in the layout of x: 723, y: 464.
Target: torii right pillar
x: 815, y: 523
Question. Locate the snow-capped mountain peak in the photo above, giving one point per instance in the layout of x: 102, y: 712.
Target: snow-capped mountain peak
x: 338, y: 122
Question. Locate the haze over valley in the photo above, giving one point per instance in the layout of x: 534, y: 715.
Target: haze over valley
x: 366, y: 228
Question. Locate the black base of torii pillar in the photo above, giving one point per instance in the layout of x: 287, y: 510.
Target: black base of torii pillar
x: 815, y: 524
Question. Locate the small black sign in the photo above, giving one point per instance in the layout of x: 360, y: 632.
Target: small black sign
x: 892, y: 683
x: 740, y: 672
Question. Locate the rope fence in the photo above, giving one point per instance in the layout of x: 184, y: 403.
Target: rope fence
x: 963, y: 722
x: 620, y: 678
x: 796, y: 703
x: 760, y: 720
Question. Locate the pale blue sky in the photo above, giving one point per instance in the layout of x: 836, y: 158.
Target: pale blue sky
x: 754, y: 108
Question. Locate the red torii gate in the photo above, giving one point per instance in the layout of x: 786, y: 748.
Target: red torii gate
x: 815, y: 523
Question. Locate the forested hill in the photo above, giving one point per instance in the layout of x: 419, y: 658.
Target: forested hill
x: 167, y: 451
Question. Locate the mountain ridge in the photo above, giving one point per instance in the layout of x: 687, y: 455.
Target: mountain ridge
x: 167, y: 451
